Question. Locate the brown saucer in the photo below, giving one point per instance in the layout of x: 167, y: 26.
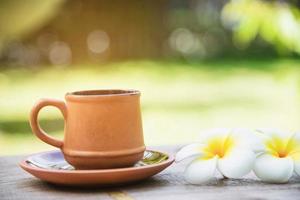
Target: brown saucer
x: 52, y: 167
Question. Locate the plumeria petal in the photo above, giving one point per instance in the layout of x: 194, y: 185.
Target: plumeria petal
x: 294, y: 147
x: 296, y: 158
x: 266, y: 134
x: 296, y: 136
x: 297, y: 167
x: 247, y: 138
x: 294, y: 143
x: 214, y: 133
x: 273, y: 169
x: 187, y: 151
x: 236, y: 163
x: 274, y: 132
x: 200, y: 170
x: 275, y: 141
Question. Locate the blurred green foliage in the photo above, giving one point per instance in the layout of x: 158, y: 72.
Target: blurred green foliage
x: 179, y: 100
x: 276, y: 22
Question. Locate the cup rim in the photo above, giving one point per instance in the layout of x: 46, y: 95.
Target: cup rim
x: 102, y: 93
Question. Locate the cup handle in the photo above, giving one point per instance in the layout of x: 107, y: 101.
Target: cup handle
x: 35, y: 126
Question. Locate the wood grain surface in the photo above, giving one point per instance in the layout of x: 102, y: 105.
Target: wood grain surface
x: 168, y: 185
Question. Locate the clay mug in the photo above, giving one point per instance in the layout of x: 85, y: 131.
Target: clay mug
x: 103, y: 128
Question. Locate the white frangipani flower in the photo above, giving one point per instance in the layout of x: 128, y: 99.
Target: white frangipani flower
x: 280, y: 156
x: 225, y: 150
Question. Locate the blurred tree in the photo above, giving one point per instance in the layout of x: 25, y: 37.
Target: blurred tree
x: 62, y: 32
x: 276, y: 22
x: 19, y: 18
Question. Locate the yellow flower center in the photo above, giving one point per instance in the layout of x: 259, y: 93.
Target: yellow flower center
x: 282, y: 147
x: 218, y: 146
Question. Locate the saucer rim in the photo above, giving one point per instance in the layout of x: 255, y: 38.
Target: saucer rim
x: 24, y: 165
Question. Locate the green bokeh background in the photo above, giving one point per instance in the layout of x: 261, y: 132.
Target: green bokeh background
x: 179, y: 100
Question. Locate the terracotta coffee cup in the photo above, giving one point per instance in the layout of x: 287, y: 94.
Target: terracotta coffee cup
x: 103, y: 128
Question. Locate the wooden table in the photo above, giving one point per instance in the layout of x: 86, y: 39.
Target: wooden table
x: 168, y: 185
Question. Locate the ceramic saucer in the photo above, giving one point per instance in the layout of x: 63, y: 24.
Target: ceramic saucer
x: 52, y: 167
